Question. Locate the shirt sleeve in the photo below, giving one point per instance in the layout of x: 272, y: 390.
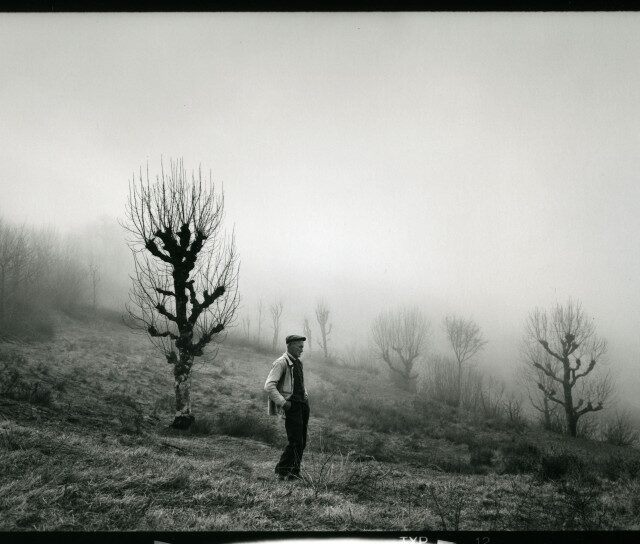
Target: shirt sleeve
x: 271, y: 385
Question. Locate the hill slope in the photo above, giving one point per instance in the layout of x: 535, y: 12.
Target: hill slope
x: 84, y: 444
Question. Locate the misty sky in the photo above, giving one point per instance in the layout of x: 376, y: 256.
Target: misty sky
x: 480, y: 164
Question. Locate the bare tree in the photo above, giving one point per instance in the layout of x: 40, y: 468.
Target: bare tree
x: 94, y: 278
x: 466, y: 341
x: 307, y: 332
x: 322, y: 316
x: 568, y: 336
x: 259, y: 336
x: 184, y: 291
x: 276, y: 313
x: 246, y: 327
x: 10, y: 242
x: 400, y: 340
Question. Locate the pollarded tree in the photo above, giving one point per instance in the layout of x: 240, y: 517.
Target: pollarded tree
x: 185, y: 287
x: 568, y: 336
x: 466, y: 341
x: 400, y: 340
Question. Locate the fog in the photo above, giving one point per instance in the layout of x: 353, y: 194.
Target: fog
x: 477, y: 164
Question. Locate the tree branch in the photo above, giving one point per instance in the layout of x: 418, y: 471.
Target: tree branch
x: 165, y: 293
x: 589, y: 408
x: 151, y: 246
x: 545, y: 345
x: 592, y: 364
x: 155, y: 333
x: 163, y: 311
x: 546, y: 371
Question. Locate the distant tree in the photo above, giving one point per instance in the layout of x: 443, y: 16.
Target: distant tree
x: 400, y: 339
x: 466, y: 341
x: 259, y: 335
x: 276, y: 313
x: 568, y: 336
x: 94, y: 278
x: 184, y: 291
x: 307, y: 332
x: 11, y: 246
x: 322, y: 316
x: 246, y: 327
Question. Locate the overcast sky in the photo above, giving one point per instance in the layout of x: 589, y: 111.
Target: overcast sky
x: 481, y: 164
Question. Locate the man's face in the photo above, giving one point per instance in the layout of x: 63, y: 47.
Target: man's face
x: 296, y: 348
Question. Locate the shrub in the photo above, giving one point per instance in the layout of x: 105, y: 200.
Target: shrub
x: 41, y: 394
x: 31, y: 325
x: 587, y: 427
x: 450, y: 500
x: 246, y: 425
x: 331, y: 471
x: 581, y: 506
x: 371, y: 446
x: 520, y: 457
x: 481, y: 456
x: 615, y: 466
x: 555, y: 424
x: 13, y: 385
x: 620, y: 430
x: 456, y: 465
x: 202, y: 426
x: 459, y: 435
x: 555, y: 466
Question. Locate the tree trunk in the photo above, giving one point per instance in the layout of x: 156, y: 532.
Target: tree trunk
x: 459, y: 388
x: 572, y: 424
x: 569, y: 410
x: 182, y: 374
x: 547, y: 413
x: 183, y: 417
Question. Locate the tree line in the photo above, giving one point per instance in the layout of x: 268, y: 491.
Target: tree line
x: 41, y: 270
x: 276, y: 311
x: 560, y: 351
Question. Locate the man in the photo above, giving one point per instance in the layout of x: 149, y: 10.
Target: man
x: 288, y: 398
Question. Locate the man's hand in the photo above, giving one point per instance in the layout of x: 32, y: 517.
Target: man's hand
x: 286, y: 406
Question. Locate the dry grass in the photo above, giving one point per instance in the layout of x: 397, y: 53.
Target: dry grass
x: 98, y: 455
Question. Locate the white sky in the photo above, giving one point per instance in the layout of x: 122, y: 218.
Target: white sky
x: 473, y: 163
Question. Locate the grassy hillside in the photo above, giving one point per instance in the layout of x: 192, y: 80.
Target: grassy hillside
x: 84, y: 444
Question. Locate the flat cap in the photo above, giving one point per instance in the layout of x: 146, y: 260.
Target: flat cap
x: 294, y: 338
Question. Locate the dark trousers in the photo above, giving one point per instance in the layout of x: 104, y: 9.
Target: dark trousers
x: 296, y: 421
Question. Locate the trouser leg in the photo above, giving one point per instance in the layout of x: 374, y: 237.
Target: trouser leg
x: 292, y: 455
x: 305, y: 424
